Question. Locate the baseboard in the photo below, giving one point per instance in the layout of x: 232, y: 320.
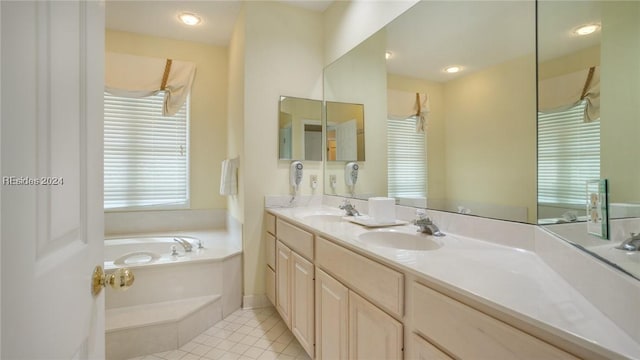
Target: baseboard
x: 255, y: 301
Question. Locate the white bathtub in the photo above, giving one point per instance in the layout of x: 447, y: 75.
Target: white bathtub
x: 174, y: 297
x: 154, y: 250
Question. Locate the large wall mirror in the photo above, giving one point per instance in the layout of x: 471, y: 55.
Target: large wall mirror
x: 299, y: 129
x: 476, y: 152
x: 589, y: 120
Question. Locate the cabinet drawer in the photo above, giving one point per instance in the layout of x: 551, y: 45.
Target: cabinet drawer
x: 379, y: 283
x: 270, y: 281
x: 270, y: 223
x: 295, y: 238
x: 470, y: 334
x: 270, y: 242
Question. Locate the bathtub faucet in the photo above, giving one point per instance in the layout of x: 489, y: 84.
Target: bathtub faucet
x: 185, y: 244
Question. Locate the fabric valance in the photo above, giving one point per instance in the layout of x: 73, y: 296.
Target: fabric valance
x: 566, y: 91
x: 139, y: 76
x: 404, y: 105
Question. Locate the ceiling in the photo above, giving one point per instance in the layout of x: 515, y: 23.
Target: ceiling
x: 427, y: 38
x: 477, y: 34
x: 160, y: 18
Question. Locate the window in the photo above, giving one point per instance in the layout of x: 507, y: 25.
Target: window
x: 568, y: 155
x: 145, y: 154
x: 407, y: 170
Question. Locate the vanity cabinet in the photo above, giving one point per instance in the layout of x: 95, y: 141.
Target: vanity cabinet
x: 270, y: 244
x: 341, y: 304
x: 373, y: 334
x: 294, y: 282
x: 421, y: 349
x: 283, y: 282
x: 332, y: 318
x: 302, y: 302
x: 348, y: 326
x: 467, y: 333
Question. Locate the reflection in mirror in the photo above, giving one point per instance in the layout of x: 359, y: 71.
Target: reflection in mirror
x: 299, y: 129
x: 588, y: 126
x: 345, y: 131
x: 478, y: 148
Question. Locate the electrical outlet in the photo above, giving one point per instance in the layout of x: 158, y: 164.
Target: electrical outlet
x: 313, y: 180
x: 332, y: 180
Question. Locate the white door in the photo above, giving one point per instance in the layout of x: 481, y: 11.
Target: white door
x: 347, y: 141
x: 52, y: 235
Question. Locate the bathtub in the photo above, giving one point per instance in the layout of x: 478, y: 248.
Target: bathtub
x: 153, y: 250
x: 174, y: 297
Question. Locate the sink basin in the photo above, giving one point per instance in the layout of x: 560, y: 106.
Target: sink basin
x: 399, y: 240
x: 316, y: 218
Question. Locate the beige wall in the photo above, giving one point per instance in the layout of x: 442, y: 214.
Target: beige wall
x: 275, y: 50
x: 436, y: 149
x: 577, y: 61
x: 620, y: 109
x: 360, y: 78
x: 490, y: 135
x: 348, y: 23
x: 207, y: 133
x: 235, y: 120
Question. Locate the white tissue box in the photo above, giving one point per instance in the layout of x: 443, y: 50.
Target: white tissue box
x: 382, y: 209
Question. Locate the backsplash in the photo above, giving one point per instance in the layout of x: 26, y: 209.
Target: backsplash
x: 506, y: 233
x: 131, y: 222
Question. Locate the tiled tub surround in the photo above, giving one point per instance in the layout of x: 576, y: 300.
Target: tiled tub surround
x: 173, y: 300
x: 501, y: 269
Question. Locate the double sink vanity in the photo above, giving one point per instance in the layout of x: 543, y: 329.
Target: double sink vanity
x: 348, y: 291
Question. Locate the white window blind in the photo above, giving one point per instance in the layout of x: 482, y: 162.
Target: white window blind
x: 568, y: 155
x: 145, y: 154
x: 406, y: 159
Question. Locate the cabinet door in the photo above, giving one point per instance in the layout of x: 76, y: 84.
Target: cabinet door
x: 302, y: 301
x: 332, y: 318
x: 283, y: 285
x: 421, y: 349
x: 270, y: 242
x: 270, y: 282
x: 373, y: 334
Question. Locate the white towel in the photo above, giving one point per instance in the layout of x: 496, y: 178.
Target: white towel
x: 228, y: 177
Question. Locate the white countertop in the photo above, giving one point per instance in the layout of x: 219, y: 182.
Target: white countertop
x: 514, y: 281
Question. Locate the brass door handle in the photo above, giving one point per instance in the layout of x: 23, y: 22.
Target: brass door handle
x: 121, y: 279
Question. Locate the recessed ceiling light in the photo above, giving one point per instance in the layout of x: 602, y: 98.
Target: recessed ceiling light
x: 586, y: 29
x: 190, y: 19
x: 452, y: 69
x: 388, y: 55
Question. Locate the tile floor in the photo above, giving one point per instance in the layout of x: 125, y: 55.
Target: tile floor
x: 246, y: 334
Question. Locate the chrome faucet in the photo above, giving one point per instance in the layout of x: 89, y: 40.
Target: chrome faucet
x: 185, y: 244
x: 631, y: 244
x: 348, y: 208
x: 425, y: 225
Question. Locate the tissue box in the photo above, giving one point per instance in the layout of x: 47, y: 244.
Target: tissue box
x: 382, y: 209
